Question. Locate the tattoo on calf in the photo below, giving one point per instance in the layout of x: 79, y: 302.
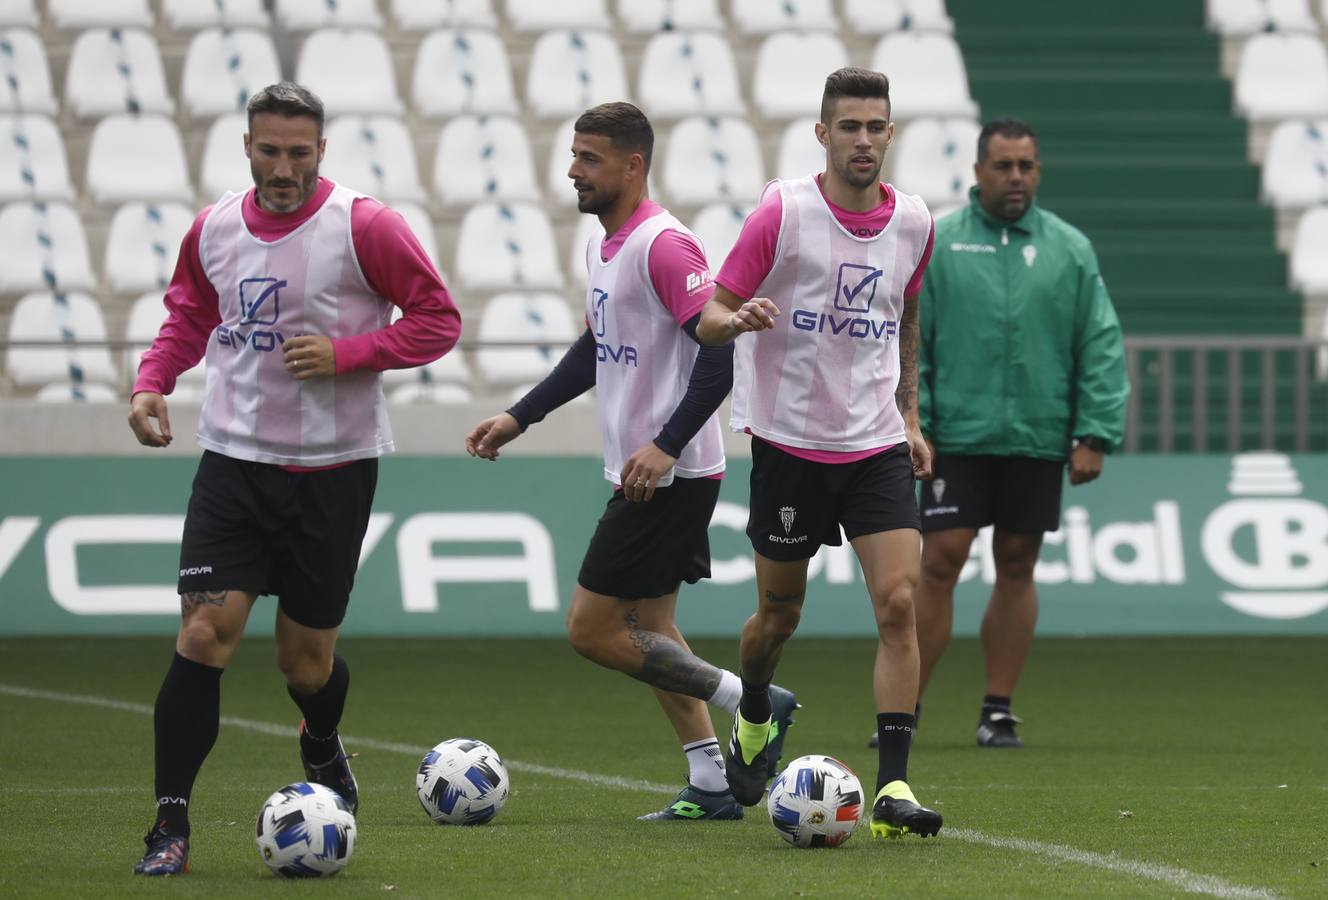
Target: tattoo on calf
x: 796, y: 597
x: 194, y: 599
x: 668, y: 665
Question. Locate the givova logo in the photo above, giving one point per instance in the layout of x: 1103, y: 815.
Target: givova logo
x: 608, y: 351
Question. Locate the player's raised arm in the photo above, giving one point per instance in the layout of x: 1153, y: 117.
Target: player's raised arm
x: 726, y: 315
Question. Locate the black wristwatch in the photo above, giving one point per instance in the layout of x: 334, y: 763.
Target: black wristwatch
x: 1092, y: 442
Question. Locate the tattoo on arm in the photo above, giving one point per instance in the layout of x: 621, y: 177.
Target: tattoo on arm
x: 194, y: 599
x: 668, y: 665
x: 906, y: 395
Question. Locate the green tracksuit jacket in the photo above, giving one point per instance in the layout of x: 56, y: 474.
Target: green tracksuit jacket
x: 1021, y: 347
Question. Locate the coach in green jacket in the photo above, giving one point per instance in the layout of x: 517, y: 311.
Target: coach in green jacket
x: 1022, y: 369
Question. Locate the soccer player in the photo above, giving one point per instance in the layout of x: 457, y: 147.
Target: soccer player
x: 657, y: 391
x: 825, y: 275
x: 287, y: 289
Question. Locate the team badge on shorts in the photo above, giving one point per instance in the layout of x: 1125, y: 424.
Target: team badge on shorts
x: 786, y: 516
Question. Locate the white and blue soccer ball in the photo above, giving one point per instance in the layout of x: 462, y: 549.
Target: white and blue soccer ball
x: 815, y: 802
x: 462, y: 781
x: 306, y: 831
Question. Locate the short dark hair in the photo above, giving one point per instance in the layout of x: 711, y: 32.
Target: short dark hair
x: 627, y: 128
x: 286, y: 98
x: 852, y: 81
x: 1006, y: 128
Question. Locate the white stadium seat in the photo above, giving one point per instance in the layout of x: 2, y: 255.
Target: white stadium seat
x: 1295, y: 165
x: 32, y: 160
x: 143, y: 244
x: 72, y: 392
x: 713, y: 159
x: 223, y: 68
x: 800, y: 153
x: 146, y: 317
x: 189, y: 15
x: 44, y: 248
x: 586, y: 226
x: 368, y: 86
x: 121, y: 168
x: 19, y: 12
x: 558, y: 185
x: 881, y: 16
x: 430, y: 392
x: 1309, y: 262
x: 542, y: 15
x: 649, y: 16
x: 572, y: 70
x: 373, y: 155
x: 462, y: 71
x: 306, y: 15
x: 524, y: 317
x: 1232, y: 18
x: 44, y: 316
x: 96, y: 13
x: 766, y: 16
x: 225, y: 167
x: 24, y: 66
x: 113, y: 70
x: 790, y: 72
x: 503, y: 246
x: 424, y: 15
x: 483, y: 158
x: 418, y: 219
x: 689, y: 73
x: 934, y: 159
x: 717, y: 226
x: 1281, y: 76
x: 927, y: 75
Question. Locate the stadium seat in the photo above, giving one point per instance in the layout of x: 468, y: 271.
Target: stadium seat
x: 137, y: 158
x: 146, y: 317
x: 713, y: 159
x: 424, y: 15
x: 927, y: 75
x: 32, y: 159
x: 418, y: 219
x: 572, y: 70
x: 367, y: 87
x: 99, y: 13
x: 44, y: 247
x: 717, y: 226
x: 190, y: 15
x: 934, y: 159
x: 524, y: 317
x: 507, y: 245
x: 143, y: 244
x: 73, y: 392
x: 225, y: 167
x: 306, y: 15
x: 765, y: 17
x: 462, y: 71
x: 483, y: 158
x: 1234, y: 18
x: 650, y: 16
x: 27, y: 73
x: 882, y: 16
x: 373, y: 155
x: 541, y: 15
x: 72, y: 316
x: 1295, y: 165
x: 687, y: 74
x: 790, y: 72
x: 586, y: 227
x: 19, y: 12
x: 113, y: 70
x: 223, y: 68
x: 1309, y: 262
x: 800, y: 153
x: 429, y: 392
x: 1281, y: 76
x: 558, y: 185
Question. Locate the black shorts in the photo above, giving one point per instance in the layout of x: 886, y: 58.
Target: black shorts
x: 797, y: 505
x: 1014, y: 493
x: 257, y: 528
x: 642, y: 550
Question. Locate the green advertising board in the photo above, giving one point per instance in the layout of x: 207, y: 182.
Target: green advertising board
x: 1159, y: 545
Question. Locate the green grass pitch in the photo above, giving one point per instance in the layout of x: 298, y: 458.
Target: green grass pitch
x: 1154, y: 768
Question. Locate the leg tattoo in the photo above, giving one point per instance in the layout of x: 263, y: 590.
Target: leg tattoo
x: 668, y: 665
x: 194, y: 599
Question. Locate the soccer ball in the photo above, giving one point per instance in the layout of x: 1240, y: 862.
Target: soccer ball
x: 462, y: 781
x: 305, y: 831
x: 815, y: 802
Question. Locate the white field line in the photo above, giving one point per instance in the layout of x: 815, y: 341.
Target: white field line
x: 1183, y: 879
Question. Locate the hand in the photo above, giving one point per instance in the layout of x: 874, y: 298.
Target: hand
x: 309, y: 356
x: 147, y: 405
x: 491, y: 434
x: 1085, y: 464
x: 922, y: 452
x: 757, y: 314
x: 642, y: 472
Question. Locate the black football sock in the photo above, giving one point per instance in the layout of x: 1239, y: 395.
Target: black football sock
x: 993, y: 703
x: 754, y: 704
x: 895, y: 731
x: 185, y: 721
x: 322, y: 713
